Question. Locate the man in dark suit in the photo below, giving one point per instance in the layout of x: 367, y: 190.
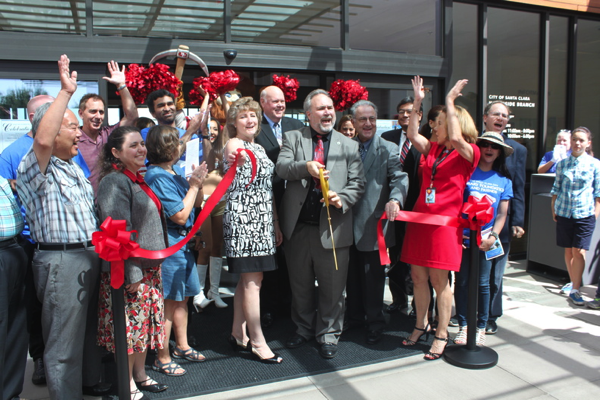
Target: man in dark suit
x: 495, y: 118
x: 385, y: 190
x: 275, y: 298
x: 400, y: 271
x: 318, y: 312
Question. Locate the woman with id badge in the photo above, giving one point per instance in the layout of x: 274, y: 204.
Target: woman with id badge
x: 491, y: 179
x: 431, y: 250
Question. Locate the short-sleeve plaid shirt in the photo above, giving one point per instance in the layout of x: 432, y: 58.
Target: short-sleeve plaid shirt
x: 59, y: 204
x: 577, y: 185
x: 11, y: 220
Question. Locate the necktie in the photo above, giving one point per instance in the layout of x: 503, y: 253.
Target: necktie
x: 362, y: 151
x: 404, y: 151
x: 277, y: 131
x: 319, y: 156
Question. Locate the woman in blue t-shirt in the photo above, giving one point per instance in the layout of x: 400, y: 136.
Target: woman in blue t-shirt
x: 490, y: 179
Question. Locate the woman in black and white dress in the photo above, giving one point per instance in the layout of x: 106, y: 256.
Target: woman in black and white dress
x: 250, y: 228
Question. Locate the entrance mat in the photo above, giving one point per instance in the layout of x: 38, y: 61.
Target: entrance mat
x: 225, y: 369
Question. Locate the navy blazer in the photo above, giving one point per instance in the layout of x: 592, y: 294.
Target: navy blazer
x: 411, y: 167
x: 516, y: 167
x: 266, y: 138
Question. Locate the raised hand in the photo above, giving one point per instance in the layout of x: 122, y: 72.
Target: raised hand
x: 68, y: 79
x: 418, y: 89
x: 117, y: 77
x: 457, y: 89
x: 198, y: 175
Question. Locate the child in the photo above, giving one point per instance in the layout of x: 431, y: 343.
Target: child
x: 490, y: 179
x: 576, y: 205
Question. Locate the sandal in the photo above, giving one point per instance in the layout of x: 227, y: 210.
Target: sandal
x: 168, y: 368
x: 189, y: 354
x: 135, y: 393
x: 409, y: 342
x: 430, y: 356
x: 150, y: 385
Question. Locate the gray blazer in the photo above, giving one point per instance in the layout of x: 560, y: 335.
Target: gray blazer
x: 384, y: 180
x: 122, y: 199
x: 346, y: 178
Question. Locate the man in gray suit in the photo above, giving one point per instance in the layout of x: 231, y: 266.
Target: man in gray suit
x: 304, y: 221
x: 385, y: 191
x: 275, y: 297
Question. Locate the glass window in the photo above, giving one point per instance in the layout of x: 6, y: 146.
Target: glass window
x: 464, y: 55
x: 168, y: 18
x: 408, y: 26
x: 557, y: 79
x: 43, y: 16
x: 301, y: 22
x: 587, y: 100
x: 513, y: 73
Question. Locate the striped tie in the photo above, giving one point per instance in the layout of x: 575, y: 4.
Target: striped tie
x: 404, y: 152
x: 278, y: 136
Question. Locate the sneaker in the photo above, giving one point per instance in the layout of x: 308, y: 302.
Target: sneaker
x: 461, y: 336
x: 480, y: 341
x: 566, y: 289
x: 491, y: 328
x: 453, y: 322
x: 594, y: 304
x: 575, y: 298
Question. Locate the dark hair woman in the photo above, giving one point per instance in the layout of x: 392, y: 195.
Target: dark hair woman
x: 123, y: 195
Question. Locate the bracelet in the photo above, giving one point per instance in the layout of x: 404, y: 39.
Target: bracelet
x: 123, y: 86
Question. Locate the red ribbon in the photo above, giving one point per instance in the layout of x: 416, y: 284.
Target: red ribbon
x: 113, y: 241
x: 479, y: 212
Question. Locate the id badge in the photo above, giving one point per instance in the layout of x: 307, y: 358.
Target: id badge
x: 430, y: 195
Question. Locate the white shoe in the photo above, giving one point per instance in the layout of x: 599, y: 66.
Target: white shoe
x: 461, y: 336
x: 480, y: 339
x: 200, y: 301
x: 216, y: 263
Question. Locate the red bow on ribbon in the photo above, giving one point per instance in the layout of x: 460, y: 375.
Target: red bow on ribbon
x: 479, y: 213
x: 113, y: 243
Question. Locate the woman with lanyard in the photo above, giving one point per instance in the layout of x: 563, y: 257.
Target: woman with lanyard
x: 448, y: 165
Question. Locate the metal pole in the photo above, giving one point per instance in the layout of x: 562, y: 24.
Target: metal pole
x: 471, y: 356
x: 120, y: 337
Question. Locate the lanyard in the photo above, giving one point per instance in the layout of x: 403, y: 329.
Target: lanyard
x: 445, y: 153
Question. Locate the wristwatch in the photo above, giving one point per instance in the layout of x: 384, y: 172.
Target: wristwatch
x: 494, y: 234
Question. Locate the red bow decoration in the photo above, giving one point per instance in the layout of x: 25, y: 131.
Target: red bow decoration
x: 479, y: 213
x: 216, y: 84
x: 142, y: 81
x: 289, y: 86
x: 345, y: 93
x: 113, y: 241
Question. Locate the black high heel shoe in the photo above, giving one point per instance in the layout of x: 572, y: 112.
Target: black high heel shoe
x: 276, y: 359
x: 237, y: 345
x: 425, y: 331
x: 430, y: 356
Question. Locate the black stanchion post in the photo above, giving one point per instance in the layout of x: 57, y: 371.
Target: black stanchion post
x: 471, y: 356
x: 120, y: 332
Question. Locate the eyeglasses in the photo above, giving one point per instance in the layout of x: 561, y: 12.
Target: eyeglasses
x: 498, y: 115
x: 485, y: 144
x: 400, y: 112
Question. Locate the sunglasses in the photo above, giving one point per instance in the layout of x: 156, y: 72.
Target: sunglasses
x: 485, y: 144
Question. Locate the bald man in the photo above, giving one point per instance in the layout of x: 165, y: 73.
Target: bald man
x: 275, y: 298
x: 9, y: 162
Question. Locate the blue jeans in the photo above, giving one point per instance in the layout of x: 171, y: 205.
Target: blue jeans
x: 496, y: 278
x: 461, y: 289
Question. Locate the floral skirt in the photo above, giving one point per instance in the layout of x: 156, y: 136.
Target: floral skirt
x: 144, y: 312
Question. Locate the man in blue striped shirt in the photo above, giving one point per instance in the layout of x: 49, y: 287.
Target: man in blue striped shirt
x: 13, y: 261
